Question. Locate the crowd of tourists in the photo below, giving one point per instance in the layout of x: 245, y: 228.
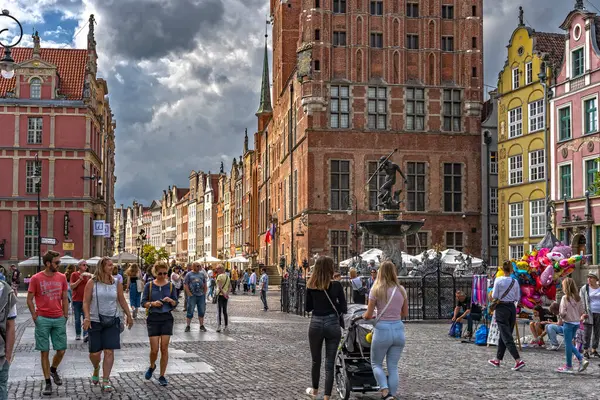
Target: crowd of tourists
x: 101, y: 312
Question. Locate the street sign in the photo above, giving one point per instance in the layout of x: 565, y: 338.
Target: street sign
x: 68, y: 246
x: 49, y: 241
x: 98, y: 227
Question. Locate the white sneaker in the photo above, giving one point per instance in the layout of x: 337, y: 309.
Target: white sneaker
x: 552, y: 347
x: 219, y: 328
x: 78, y: 337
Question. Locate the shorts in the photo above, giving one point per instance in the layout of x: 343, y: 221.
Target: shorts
x: 104, y: 338
x: 198, y: 302
x: 160, y: 324
x: 47, y: 329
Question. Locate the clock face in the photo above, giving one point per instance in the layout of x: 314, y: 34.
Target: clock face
x: 36, y: 63
x: 304, y: 63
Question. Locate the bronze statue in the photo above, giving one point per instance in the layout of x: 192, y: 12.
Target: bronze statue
x: 386, y: 199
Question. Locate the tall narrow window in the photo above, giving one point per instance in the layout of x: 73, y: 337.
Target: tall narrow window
x: 516, y: 220
x: 494, y: 236
x: 537, y: 164
x: 516, y: 251
x: 295, y: 183
x: 447, y: 12
x: 591, y: 169
x: 339, y: 245
x: 339, y: 38
x: 515, y: 169
x: 34, y: 130
x: 35, y: 88
x: 317, y: 3
x: 452, y: 110
x: 528, y: 73
x: 565, y: 181
x: 564, y: 115
x: 474, y: 11
x: 317, y: 65
x: 339, y: 6
x: 374, y: 185
x: 377, y: 40
x: 536, y: 116
x: 32, y: 170
x: 591, y: 115
x: 493, y: 200
x: 453, y: 187
x: 340, y: 106
x: 377, y: 108
x: 370, y: 242
x: 415, y: 109
x: 416, y: 243
x: 577, y: 58
x: 447, y: 43
x: 412, y: 42
x: 31, y: 236
x: 474, y: 72
x: 515, y: 78
x: 317, y: 34
x: 339, y: 185
x: 537, y: 213
x: 412, y: 10
x: 494, y: 162
x: 515, y: 122
x: 474, y: 42
x: 454, y: 240
x: 377, y: 7
x: 415, y: 188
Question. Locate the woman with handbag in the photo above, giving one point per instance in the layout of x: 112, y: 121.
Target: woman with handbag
x: 221, y: 297
x: 159, y: 299
x: 391, y: 302
x: 101, y: 300
x: 359, y: 289
x: 505, y: 294
x: 325, y: 299
x: 136, y: 286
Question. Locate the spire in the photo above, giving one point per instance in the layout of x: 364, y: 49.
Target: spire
x: 579, y: 5
x: 265, y: 88
x: 521, y: 17
x: 245, y: 140
x: 91, y: 37
x: 92, y: 64
x: 36, y: 45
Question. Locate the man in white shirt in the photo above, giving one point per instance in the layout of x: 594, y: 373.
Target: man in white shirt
x: 8, y: 313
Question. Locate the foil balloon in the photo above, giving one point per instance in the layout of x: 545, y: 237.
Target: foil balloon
x: 550, y: 292
x: 564, y: 263
x: 555, y: 256
x: 546, y: 277
x: 522, y: 265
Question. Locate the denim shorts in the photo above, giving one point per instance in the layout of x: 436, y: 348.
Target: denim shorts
x: 104, y: 338
x: 198, y: 302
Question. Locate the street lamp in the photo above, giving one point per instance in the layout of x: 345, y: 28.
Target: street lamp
x: 354, y: 227
x: 7, y: 64
x: 37, y: 180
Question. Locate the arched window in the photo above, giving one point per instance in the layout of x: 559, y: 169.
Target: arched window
x: 35, y: 88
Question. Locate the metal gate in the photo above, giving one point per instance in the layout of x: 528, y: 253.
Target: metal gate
x: 293, y: 293
x: 438, y: 289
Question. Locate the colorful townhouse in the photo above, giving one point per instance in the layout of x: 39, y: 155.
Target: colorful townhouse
x: 521, y: 138
x: 575, y: 138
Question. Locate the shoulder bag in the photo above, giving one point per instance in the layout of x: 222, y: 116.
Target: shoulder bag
x: 105, y: 320
x: 216, y: 297
x: 139, y: 284
x: 340, y: 316
x: 495, y: 302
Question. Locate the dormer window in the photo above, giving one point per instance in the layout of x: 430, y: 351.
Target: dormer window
x: 35, y: 88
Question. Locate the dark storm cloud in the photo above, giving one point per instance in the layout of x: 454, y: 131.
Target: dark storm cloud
x: 149, y: 29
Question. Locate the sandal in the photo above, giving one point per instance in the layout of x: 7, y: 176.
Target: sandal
x: 95, y: 375
x: 106, y: 387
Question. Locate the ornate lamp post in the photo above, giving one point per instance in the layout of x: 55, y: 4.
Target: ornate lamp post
x: 7, y: 64
x: 139, y: 242
x: 37, y: 180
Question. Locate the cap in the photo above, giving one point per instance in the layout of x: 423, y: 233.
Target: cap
x: 82, y: 262
x: 592, y: 275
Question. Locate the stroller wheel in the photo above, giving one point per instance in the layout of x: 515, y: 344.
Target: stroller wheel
x: 342, y: 383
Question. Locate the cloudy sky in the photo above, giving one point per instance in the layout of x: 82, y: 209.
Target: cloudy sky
x: 184, y: 75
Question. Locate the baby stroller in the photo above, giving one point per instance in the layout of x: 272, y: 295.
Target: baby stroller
x: 353, y: 371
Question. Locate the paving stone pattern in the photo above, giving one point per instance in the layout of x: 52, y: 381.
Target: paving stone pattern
x: 266, y: 356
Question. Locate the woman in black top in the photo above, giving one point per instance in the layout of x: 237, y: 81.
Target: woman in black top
x: 325, y: 299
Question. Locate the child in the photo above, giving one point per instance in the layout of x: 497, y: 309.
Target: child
x: 572, y: 313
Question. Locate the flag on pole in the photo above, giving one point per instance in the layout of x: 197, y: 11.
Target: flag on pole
x: 272, y: 231
x: 268, y: 236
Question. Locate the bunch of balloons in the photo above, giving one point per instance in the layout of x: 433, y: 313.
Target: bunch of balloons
x: 539, y: 272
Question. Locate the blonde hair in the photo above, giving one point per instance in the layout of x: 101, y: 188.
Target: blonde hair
x: 386, y: 278
x: 133, y: 270
x: 569, y: 288
x: 159, y: 265
x: 352, y: 272
x: 100, y: 275
x: 322, y: 274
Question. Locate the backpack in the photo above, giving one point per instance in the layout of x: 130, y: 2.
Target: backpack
x: 481, y: 335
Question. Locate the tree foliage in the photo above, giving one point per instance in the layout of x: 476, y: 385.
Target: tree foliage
x: 151, y: 254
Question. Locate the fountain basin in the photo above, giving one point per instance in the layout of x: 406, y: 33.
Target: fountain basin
x: 399, y: 228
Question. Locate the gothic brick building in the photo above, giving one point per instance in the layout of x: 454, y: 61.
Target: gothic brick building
x: 353, y: 80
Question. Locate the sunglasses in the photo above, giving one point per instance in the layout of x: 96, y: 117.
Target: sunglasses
x: 56, y: 263
x: 162, y: 273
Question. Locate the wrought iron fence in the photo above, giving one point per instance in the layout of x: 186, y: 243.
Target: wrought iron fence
x: 293, y: 293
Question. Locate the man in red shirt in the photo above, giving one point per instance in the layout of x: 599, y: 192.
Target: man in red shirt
x: 50, y: 313
x: 79, y: 279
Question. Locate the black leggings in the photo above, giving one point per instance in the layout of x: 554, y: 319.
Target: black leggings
x: 321, y: 329
x: 506, y: 317
x: 222, y: 306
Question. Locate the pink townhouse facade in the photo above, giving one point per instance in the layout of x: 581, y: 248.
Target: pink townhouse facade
x: 55, y: 120
x: 575, y: 136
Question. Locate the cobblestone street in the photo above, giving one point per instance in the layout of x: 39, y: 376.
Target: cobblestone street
x: 265, y: 356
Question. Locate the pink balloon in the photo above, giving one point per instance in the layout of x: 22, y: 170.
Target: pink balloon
x: 563, y: 263
x: 546, y: 276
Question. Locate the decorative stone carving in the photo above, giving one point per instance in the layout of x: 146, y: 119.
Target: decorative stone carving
x: 565, y: 152
x: 590, y: 146
x: 502, y: 153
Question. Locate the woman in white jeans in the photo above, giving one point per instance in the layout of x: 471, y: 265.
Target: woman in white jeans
x: 390, y: 300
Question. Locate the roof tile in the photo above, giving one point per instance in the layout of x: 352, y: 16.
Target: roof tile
x: 70, y: 63
x: 553, y: 44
